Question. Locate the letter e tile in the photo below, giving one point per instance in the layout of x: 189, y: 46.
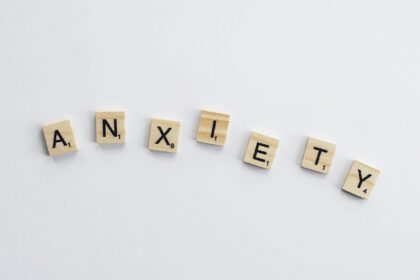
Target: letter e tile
x: 261, y: 150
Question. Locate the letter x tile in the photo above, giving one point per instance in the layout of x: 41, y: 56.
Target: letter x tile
x: 164, y: 135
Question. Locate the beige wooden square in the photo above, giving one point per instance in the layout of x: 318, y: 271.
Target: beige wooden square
x: 59, y: 138
x: 164, y: 135
x: 361, y: 180
x: 213, y: 128
x: 318, y: 155
x: 261, y: 150
x: 110, y: 127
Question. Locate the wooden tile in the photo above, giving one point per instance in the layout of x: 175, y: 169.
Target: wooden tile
x: 110, y: 127
x: 361, y: 179
x: 59, y: 138
x: 318, y: 155
x: 164, y: 135
x: 213, y: 128
x: 261, y: 150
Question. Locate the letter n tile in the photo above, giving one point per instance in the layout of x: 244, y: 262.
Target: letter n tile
x: 110, y: 127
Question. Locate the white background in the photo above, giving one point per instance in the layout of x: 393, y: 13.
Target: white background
x: 343, y: 71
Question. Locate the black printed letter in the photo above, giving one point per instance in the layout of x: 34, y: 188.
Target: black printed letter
x: 114, y: 131
x: 58, y: 138
x: 257, y: 151
x: 361, y: 179
x: 213, y: 129
x: 320, y: 151
x: 163, y: 135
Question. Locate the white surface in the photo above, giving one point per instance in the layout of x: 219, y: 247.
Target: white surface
x: 343, y: 71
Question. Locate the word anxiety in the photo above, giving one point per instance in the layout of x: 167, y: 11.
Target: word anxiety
x: 212, y: 129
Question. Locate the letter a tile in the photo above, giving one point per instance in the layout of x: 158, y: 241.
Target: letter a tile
x: 261, y: 150
x: 164, y: 135
x: 110, y: 127
x: 361, y: 180
x: 213, y: 128
x: 59, y: 138
x: 318, y: 155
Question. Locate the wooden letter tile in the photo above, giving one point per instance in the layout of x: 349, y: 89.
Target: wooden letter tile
x: 59, y: 138
x: 213, y: 128
x: 318, y: 155
x: 110, y: 127
x: 164, y: 135
x: 261, y: 150
x: 361, y: 180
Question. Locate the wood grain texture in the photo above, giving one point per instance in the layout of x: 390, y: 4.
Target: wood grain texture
x: 113, y: 132
x: 318, y: 155
x: 361, y: 180
x: 261, y: 150
x: 213, y: 128
x: 164, y: 135
x: 59, y: 138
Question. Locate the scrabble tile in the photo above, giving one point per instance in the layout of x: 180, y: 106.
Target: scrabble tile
x: 110, y: 127
x: 213, y: 128
x: 164, y: 135
x: 261, y: 150
x: 59, y: 138
x: 361, y: 180
x: 318, y: 155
